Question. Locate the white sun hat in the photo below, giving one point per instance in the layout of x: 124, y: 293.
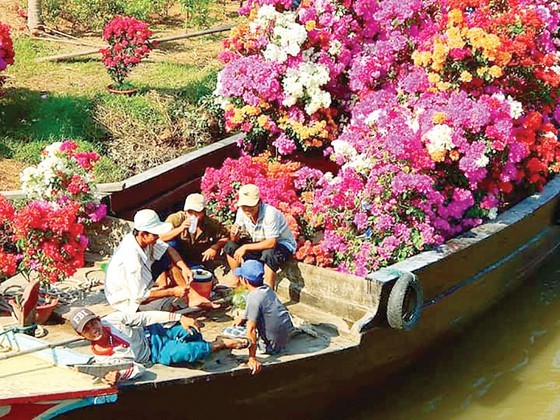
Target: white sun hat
x: 148, y: 221
x: 194, y: 202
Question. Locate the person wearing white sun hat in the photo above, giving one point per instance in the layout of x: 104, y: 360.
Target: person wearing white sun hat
x: 198, y: 237
x: 146, y: 274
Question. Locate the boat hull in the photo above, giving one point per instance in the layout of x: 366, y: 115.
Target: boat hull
x: 461, y: 280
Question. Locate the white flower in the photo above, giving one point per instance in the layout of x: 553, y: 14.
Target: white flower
x: 304, y: 82
x: 515, y: 108
x: 550, y: 135
x: 343, y: 148
x: 360, y: 164
x: 492, y: 213
x: 482, y: 161
x: 439, y: 137
x: 373, y: 117
x: 335, y: 48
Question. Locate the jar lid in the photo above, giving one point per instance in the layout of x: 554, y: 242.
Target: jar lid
x: 200, y: 274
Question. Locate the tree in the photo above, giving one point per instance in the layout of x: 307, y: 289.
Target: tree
x: 34, y: 16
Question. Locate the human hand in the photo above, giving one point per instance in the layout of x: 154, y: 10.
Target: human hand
x: 187, y: 322
x: 238, y: 321
x: 111, y: 378
x: 254, y: 365
x: 180, y: 291
x: 234, y: 232
x: 239, y: 254
x: 209, y: 254
x: 187, y: 274
x: 185, y: 224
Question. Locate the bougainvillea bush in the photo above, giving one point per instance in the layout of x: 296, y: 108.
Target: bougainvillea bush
x: 129, y: 43
x: 6, y: 50
x: 439, y: 113
x: 65, y: 175
x: 45, y: 236
x: 42, y: 237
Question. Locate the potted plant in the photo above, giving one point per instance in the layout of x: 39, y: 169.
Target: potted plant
x: 129, y: 42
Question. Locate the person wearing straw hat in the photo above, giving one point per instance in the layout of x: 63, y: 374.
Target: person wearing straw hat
x: 270, y: 240
x: 146, y: 274
x: 145, y: 338
x: 198, y: 237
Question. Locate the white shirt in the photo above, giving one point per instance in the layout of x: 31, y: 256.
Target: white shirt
x: 271, y: 223
x: 129, y: 274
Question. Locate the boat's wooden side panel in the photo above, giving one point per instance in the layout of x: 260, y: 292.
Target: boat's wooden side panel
x: 163, y: 187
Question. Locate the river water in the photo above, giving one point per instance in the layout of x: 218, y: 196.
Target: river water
x: 504, y: 366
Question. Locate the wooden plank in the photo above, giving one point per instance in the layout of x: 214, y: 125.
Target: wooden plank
x: 166, y: 203
x: 145, y: 188
x: 61, y: 57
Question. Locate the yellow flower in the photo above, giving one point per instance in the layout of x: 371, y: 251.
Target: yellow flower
x: 434, y: 78
x: 454, y: 39
x: 465, y: 76
x: 439, y: 55
x: 495, y: 71
x: 481, y: 71
x: 475, y: 36
x: 250, y: 110
x: 490, y: 45
x: 454, y: 16
x: 438, y: 155
x: 439, y: 117
x: 262, y: 120
x: 443, y: 86
x: 237, y: 116
x: 310, y: 25
x: 421, y: 58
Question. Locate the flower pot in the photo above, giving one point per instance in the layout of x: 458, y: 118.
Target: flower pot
x: 45, y: 310
x: 127, y: 92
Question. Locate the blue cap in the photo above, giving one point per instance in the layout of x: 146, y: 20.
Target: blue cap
x: 252, y: 271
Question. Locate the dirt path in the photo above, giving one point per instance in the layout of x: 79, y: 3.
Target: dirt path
x: 9, y: 174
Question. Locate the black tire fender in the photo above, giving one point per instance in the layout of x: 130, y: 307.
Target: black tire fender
x: 404, y: 306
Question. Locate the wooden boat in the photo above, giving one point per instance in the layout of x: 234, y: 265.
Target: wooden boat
x: 345, y: 341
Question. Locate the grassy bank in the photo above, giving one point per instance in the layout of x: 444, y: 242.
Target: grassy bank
x: 46, y: 102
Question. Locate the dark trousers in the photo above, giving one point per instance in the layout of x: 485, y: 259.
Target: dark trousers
x: 273, y: 257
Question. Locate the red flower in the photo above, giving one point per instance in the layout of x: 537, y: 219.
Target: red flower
x: 129, y: 42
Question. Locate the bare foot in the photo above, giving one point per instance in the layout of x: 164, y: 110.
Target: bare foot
x: 232, y: 343
x: 205, y: 304
x: 230, y: 280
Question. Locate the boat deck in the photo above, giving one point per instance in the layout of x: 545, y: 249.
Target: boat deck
x: 317, y: 332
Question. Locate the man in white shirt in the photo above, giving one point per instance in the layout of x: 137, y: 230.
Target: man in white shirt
x: 146, y: 274
x: 269, y: 237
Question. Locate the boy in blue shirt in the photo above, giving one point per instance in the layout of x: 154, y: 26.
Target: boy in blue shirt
x: 264, y: 315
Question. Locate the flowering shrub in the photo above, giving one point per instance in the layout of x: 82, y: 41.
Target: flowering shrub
x: 41, y: 237
x: 6, y: 49
x: 46, y: 236
x: 51, y: 239
x: 129, y: 43
x: 63, y: 176
x: 439, y: 113
x: 8, y: 251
